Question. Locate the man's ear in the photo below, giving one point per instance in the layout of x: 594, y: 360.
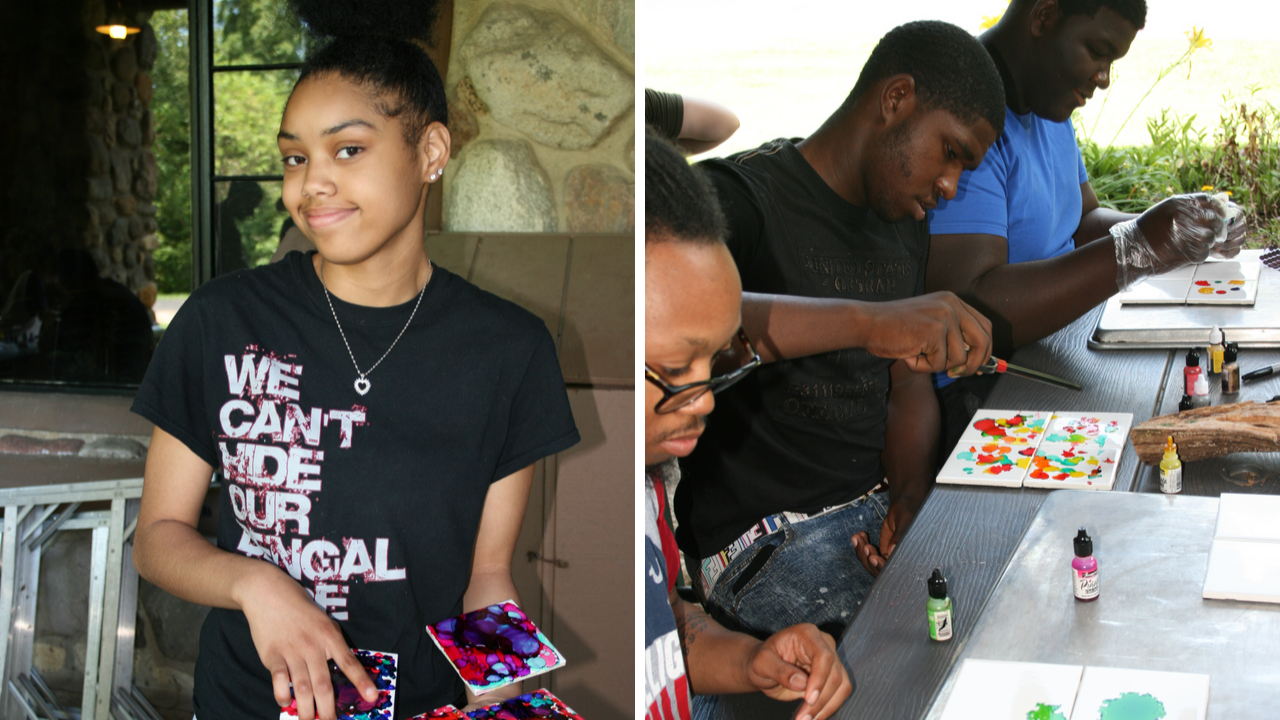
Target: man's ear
x: 897, y: 99
x: 433, y: 151
x: 1045, y: 16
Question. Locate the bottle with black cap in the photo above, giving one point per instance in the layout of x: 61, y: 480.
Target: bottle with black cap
x: 939, y: 608
x: 1192, y: 370
x: 1084, y: 569
x: 1231, y: 370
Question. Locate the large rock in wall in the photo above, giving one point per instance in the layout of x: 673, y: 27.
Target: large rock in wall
x: 500, y: 187
x: 600, y: 199
x: 541, y: 74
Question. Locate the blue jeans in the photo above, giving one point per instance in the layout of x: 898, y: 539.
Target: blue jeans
x: 810, y: 574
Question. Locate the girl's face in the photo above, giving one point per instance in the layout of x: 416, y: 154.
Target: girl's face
x: 351, y: 182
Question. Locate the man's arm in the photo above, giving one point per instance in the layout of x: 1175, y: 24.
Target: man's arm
x: 1095, y: 220
x: 911, y: 445
x: 491, y: 582
x: 294, y: 638
x: 1026, y: 301
x: 931, y: 333
x: 797, y: 662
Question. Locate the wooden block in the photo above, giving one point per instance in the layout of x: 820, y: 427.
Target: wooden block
x: 1210, y: 432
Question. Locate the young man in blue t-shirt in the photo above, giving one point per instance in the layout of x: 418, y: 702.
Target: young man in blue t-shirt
x: 1025, y: 240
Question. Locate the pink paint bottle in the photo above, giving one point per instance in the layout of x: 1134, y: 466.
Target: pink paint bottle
x: 1191, y: 371
x: 1084, y: 569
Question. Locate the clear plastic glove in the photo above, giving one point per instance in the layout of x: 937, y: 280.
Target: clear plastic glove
x: 1177, y: 231
x: 1234, y: 216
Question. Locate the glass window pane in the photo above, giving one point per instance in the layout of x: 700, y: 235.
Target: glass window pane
x: 255, y: 31
x: 247, y: 223
x: 246, y: 118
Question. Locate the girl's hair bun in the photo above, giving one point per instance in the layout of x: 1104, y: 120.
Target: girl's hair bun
x: 404, y: 19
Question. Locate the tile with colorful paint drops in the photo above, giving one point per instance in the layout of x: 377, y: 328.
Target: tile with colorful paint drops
x: 1022, y: 428
x: 987, y: 463
x: 1222, y: 292
x: 348, y: 701
x: 495, y: 646
x: 1107, y: 692
x: 1095, y: 429
x: 1157, y: 291
x: 1228, y: 270
x: 1079, y: 466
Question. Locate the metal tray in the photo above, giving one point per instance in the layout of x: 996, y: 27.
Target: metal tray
x: 1130, y: 327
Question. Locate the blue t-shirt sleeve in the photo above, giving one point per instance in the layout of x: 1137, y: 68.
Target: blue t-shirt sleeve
x: 1084, y: 174
x: 981, y: 204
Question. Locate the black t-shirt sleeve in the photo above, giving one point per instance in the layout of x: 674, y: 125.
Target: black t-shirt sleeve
x: 741, y: 213
x: 541, y: 422
x: 664, y: 111
x: 171, y: 392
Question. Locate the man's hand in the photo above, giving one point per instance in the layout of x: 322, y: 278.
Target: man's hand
x: 295, y: 640
x: 930, y: 333
x: 896, y: 521
x: 801, y: 662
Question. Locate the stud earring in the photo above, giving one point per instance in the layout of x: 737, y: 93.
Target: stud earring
x: 433, y: 177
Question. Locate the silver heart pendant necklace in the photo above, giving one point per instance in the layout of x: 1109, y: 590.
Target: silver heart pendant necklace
x: 362, y: 383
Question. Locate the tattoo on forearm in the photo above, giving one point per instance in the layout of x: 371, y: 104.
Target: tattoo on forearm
x: 690, y: 622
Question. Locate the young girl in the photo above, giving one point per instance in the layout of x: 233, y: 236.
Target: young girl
x: 374, y: 416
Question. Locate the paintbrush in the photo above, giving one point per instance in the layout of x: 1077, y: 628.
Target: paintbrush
x: 997, y: 365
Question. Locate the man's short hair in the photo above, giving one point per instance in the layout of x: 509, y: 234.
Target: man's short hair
x: 1135, y: 11
x: 951, y: 69
x: 679, y: 202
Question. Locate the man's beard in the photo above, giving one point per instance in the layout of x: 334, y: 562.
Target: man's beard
x: 893, y: 153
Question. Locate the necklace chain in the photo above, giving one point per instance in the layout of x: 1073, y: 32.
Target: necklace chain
x: 362, y: 384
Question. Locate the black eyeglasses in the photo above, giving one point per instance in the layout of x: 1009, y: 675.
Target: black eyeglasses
x: 727, y: 368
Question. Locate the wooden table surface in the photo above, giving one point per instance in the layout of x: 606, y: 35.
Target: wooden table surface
x: 972, y: 532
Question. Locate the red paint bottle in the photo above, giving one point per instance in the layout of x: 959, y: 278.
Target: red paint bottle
x: 1192, y: 369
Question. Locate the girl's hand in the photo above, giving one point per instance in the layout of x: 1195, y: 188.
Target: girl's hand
x: 295, y: 640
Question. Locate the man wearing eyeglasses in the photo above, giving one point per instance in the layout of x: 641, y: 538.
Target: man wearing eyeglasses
x: 780, y: 509
x: 695, y: 346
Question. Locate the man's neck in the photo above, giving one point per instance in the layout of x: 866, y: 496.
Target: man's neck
x: 1007, y: 53
x: 836, y: 151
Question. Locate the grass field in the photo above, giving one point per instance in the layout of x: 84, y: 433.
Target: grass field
x: 788, y: 89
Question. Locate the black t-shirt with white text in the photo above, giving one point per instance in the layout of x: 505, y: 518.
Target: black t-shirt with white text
x: 803, y: 434
x: 372, y: 503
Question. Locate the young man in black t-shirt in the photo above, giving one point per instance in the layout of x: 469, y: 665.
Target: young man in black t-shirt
x: 784, y: 475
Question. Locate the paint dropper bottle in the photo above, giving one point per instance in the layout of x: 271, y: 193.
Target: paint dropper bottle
x: 1170, y: 469
x: 1201, y: 397
x: 1192, y: 369
x: 1216, y: 350
x: 1231, y: 370
x: 1084, y: 569
x: 939, y: 608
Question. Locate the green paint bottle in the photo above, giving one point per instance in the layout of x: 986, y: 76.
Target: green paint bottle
x: 939, y: 608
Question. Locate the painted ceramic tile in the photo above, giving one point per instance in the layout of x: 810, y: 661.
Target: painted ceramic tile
x: 997, y: 690
x: 1107, y: 693
x: 1157, y: 291
x: 1012, y: 427
x: 1082, y: 466
x: 1100, y: 429
x: 987, y: 463
x: 1229, y: 270
x: 538, y: 705
x: 1248, y: 517
x: 495, y: 646
x: 1222, y: 292
x: 1243, y: 570
x: 350, y: 706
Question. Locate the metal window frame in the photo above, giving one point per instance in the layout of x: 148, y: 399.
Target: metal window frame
x: 204, y: 175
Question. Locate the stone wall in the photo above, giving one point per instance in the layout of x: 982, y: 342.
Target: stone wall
x: 541, y: 110
x: 121, y: 227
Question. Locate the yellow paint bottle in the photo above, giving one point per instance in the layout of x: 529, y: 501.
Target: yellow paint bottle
x: 1170, y: 469
x: 1216, y: 348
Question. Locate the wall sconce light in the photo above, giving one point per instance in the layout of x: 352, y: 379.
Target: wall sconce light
x: 118, y: 25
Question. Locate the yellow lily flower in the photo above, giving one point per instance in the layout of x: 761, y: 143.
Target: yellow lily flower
x: 1197, y: 39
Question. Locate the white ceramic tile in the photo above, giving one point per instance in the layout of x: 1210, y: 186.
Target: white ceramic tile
x: 1186, y: 271
x: 1073, y: 466
x: 996, y: 690
x: 1157, y: 291
x: 1222, y: 292
x: 1101, y: 429
x: 1124, y: 693
x: 1015, y: 427
x: 1248, y: 517
x: 1243, y: 570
